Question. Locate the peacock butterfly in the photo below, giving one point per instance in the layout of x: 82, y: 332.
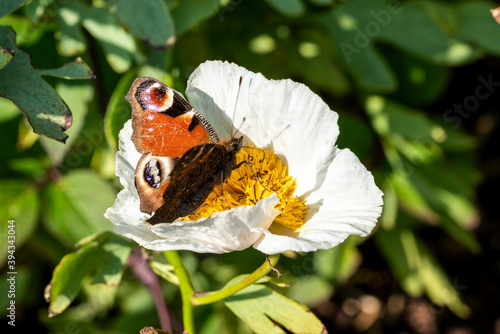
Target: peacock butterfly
x: 182, y: 157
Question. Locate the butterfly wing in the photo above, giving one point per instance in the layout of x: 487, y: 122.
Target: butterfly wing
x: 191, y: 181
x: 163, y: 122
x: 165, y: 126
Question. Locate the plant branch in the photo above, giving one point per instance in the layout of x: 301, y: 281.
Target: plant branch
x: 137, y: 262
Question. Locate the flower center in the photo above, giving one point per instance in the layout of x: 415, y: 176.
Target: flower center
x: 247, y: 187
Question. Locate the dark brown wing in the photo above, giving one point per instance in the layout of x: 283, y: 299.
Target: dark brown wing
x: 191, y: 181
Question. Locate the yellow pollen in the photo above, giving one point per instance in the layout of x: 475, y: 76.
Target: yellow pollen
x: 243, y: 188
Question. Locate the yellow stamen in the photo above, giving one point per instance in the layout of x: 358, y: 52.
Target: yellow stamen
x: 242, y: 188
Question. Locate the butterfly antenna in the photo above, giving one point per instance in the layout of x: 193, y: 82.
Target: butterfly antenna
x: 235, y: 106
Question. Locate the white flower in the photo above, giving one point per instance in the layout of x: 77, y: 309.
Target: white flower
x: 280, y: 116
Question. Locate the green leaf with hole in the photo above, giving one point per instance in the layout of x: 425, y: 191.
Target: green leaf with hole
x: 75, y: 205
x: 103, y: 258
x: 21, y: 83
x: 149, y: 20
x: 258, y: 306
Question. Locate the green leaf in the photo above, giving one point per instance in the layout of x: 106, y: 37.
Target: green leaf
x: 71, y: 40
x: 316, y: 63
x: 419, y: 28
x: 166, y: 271
x: 77, y: 69
x: 8, y: 6
x: 104, y: 258
x: 418, y: 271
x: 77, y: 95
x: 290, y: 8
x: 390, y: 212
x: 189, y: 13
x: 119, y: 47
x: 149, y: 20
x: 256, y: 305
x: 19, y: 201
x: 449, y: 197
x: 75, y: 205
x: 114, y: 253
x: 28, y: 33
x: 321, y: 2
x: 390, y: 118
x: 5, y: 56
x: 22, y: 84
x: 476, y: 25
x: 420, y: 82
x: 8, y: 110
x: 118, y: 110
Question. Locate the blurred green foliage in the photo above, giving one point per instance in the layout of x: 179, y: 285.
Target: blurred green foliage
x: 378, y: 63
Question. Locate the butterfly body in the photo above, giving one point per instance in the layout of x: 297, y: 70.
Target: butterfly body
x: 182, y: 158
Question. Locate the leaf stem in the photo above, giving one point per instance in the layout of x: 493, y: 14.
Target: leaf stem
x: 201, y: 298
x: 186, y: 290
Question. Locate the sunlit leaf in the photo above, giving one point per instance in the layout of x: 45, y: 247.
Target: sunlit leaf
x: 27, y: 33
x: 104, y: 258
x: 256, y: 305
x: 77, y: 95
x: 8, y: 110
x: 22, y: 84
x: 71, y: 40
x: 118, y: 46
x: 75, y: 205
x: 76, y: 69
x: 149, y: 20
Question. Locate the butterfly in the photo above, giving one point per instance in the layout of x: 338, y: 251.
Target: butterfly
x: 182, y: 159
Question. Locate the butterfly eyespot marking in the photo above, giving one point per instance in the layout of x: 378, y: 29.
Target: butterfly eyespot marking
x: 152, y: 173
x: 153, y: 96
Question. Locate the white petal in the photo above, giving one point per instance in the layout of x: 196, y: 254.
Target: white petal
x: 223, y: 232
x: 348, y: 202
x: 220, y: 233
x: 281, y: 115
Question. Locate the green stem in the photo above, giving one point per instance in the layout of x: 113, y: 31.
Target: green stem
x: 211, y: 297
x: 186, y: 288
